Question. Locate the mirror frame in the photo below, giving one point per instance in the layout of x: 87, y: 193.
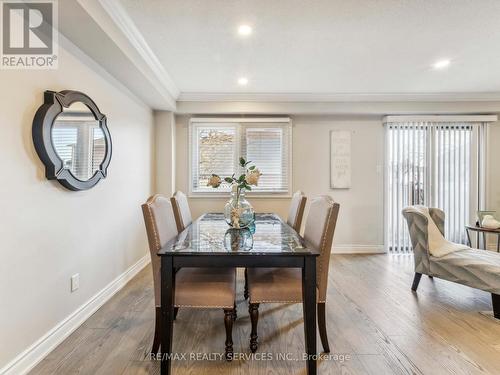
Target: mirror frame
x: 54, y: 103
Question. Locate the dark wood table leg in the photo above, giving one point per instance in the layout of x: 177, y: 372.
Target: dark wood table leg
x: 495, y: 300
x: 167, y: 312
x: 484, y: 241
x: 468, y: 237
x: 309, y: 308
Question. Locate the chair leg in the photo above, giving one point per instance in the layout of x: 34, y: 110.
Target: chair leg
x: 176, y: 310
x: 235, y: 312
x: 245, y: 292
x: 322, y: 327
x: 253, y: 310
x: 156, y: 341
x: 495, y: 301
x: 228, y: 323
x: 416, y: 280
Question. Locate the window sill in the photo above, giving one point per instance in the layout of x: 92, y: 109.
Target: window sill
x: 223, y: 196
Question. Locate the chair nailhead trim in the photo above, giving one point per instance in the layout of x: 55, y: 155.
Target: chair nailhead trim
x: 206, y: 307
x: 153, y: 224
x: 252, y: 301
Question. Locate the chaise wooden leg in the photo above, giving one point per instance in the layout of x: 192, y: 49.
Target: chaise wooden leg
x: 495, y: 301
x: 253, y: 310
x: 322, y: 327
x: 245, y: 292
x: 176, y: 310
x: 235, y: 312
x: 228, y: 323
x: 416, y: 281
x: 156, y: 340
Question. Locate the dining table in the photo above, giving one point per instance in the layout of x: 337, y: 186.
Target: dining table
x: 209, y: 242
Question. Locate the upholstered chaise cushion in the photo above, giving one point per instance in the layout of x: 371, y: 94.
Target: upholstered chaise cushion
x: 205, y: 287
x: 437, y: 245
x: 276, y: 285
x: 475, y: 268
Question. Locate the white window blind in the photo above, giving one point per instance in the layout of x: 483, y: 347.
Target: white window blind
x: 213, y: 151
x: 80, y: 145
x: 436, y: 164
x: 215, y: 148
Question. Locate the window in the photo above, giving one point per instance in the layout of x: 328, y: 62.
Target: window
x: 436, y: 164
x: 217, y: 144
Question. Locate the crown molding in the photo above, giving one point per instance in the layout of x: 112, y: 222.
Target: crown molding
x: 337, y: 97
x: 121, y: 18
x: 115, y: 22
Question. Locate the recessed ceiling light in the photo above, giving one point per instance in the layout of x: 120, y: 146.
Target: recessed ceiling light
x: 441, y: 64
x: 244, y: 30
x: 243, y: 81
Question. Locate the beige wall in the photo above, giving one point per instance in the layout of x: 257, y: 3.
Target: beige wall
x: 48, y: 233
x: 164, y: 123
x: 493, y: 179
x: 361, y: 227
x: 362, y: 211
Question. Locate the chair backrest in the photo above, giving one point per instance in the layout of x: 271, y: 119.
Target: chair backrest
x: 160, y: 228
x: 319, y: 231
x: 181, y: 210
x: 417, y: 227
x: 296, y: 211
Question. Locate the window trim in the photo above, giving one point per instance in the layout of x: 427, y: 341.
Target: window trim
x: 224, y: 122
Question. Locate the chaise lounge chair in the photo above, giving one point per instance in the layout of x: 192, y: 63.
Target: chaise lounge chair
x: 478, y: 269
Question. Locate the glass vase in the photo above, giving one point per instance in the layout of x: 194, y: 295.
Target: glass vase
x: 238, y: 212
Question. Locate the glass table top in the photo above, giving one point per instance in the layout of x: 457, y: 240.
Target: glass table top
x: 210, y: 234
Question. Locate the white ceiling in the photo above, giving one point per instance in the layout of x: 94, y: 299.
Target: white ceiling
x: 324, y: 46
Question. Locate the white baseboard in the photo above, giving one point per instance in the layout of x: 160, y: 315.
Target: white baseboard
x: 358, y: 249
x: 29, y: 358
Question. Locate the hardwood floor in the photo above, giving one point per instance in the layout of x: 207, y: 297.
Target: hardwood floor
x: 376, y: 325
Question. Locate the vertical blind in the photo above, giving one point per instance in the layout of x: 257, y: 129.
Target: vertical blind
x: 215, y: 148
x: 434, y: 164
x: 452, y: 173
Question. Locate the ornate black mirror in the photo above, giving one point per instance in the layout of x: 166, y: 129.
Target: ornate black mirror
x: 72, y: 139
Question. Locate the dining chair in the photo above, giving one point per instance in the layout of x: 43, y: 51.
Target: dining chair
x: 295, y: 214
x: 194, y: 287
x: 284, y: 285
x: 182, y: 212
x: 296, y: 211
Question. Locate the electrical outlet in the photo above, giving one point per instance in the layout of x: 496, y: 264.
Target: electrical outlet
x: 75, y: 282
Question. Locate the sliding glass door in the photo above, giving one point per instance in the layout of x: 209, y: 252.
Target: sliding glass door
x: 434, y: 164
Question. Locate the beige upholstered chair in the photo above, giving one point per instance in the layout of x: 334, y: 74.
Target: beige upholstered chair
x: 296, y: 211
x: 194, y: 287
x: 181, y: 210
x: 295, y: 214
x: 284, y: 285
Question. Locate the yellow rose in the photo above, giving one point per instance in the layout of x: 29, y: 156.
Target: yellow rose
x: 253, y: 176
x: 214, y: 181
